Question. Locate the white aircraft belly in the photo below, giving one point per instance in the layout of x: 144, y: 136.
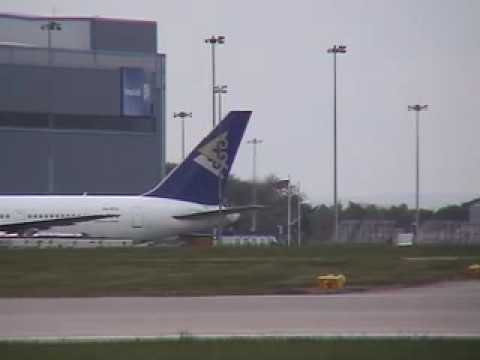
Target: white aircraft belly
x: 139, y: 218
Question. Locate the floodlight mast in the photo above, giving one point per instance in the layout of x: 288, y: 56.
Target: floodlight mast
x: 220, y: 90
x: 49, y: 27
x: 336, y: 49
x: 300, y: 202
x: 182, y: 115
x: 213, y: 41
x: 254, y: 143
x: 417, y: 108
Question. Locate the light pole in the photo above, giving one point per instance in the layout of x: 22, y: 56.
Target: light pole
x: 417, y: 108
x: 214, y: 40
x: 50, y: 26
x: 300, y: 202
x: 182, y: 115
x: 299, y: 224
x: 220, y: 90
x: 254, y: 143
x: 289, y: 213
x: 336, y: 49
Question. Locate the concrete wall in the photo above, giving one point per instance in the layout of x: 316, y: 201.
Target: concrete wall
x: 431, y: 232
x: 77, y: 59
x: 40, y: 89
x: 134, y: 36
x: 366, y: 231
x: 449, y: 232
x: 24, y: 88
x: 97, y: 163
x: 74, y: 33
x: 64, y: 104
x: 80, y: 33
x: 474, y: 213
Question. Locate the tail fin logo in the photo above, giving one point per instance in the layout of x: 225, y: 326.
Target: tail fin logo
x: 214, y: 155
x: 202, y: 176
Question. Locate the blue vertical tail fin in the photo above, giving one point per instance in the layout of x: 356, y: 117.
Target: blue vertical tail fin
x: 200, y: 176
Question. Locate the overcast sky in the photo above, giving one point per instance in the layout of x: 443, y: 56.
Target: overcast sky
x: 275, y: 63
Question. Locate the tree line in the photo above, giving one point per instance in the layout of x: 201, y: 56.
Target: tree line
x: 317, y: 220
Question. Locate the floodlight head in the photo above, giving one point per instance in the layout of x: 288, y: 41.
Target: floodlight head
x: 182, y: 114
x: 417, y: 107
x: 215, y: 39
x: 255, y: 141
x: 51, y: 25
x: 220, y: 89
x: 337, y: 49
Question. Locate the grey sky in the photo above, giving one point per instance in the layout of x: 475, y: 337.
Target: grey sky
x: 275, y: 63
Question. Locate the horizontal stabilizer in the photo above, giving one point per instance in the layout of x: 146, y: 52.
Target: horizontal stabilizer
x: 218, y: 212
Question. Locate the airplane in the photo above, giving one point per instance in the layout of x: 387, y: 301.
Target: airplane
x: 185, y: 201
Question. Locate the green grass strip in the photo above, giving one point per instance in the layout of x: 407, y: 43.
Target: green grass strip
x: 194, y: 271
x: 250, y: 349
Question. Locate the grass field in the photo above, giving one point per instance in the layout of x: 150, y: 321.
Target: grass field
x: 275, y: 349
x: 196, y: 271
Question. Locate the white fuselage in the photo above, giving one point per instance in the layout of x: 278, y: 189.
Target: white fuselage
x: 140, y: 218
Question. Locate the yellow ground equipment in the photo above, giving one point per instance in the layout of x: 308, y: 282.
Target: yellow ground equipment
x: 474, y: 269
x: 331, y: 281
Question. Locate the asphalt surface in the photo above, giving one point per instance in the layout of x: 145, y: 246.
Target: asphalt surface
x: 447, y: 309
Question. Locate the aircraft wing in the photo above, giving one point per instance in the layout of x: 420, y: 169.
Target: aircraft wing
x: 217, y: 212
x: 20, y: 227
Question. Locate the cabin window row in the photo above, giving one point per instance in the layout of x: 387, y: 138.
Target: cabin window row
x: 44, y: 216
x: 52, y: 216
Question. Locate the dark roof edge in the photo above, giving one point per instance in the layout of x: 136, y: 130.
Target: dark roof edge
x: 71, y: 18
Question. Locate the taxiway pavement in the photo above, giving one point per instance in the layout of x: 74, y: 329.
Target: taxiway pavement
x: 447, y: 309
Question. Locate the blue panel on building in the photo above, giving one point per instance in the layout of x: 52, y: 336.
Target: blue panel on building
x: 136, y: 93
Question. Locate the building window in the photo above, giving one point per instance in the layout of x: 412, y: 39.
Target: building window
x: 78, y: 122
x: 134, y: 124
x: 22, y: 120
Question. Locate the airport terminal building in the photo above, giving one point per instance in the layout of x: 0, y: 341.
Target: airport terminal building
x: 82, y: 105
